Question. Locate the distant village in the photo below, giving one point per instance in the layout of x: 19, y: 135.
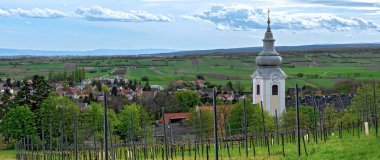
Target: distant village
x: 132, y: 90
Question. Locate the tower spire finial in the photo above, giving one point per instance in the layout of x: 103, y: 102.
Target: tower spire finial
x: 268, y: 21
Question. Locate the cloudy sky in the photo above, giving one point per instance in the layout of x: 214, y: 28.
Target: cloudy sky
x: 183, y: 24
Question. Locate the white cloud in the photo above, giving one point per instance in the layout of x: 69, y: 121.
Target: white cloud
x: 245, y: 17
x: 97, y: 13
x: 4, y: 13
x: 37, y: 13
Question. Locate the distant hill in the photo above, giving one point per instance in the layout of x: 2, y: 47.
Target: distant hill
x: 99, y: 52
x: 278, y: 48
x: 4, y: 52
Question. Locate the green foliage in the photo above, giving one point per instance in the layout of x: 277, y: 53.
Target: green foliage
x: 135, y: 114
x: 207, y: 122
x: 76, y: 75
x: 18, y: 123
x: 105, y: 88
x: 56, y: 109
x: 363, y: 100
x: 32, y: 94
x: 7, y: 103
x: 92, y: 119
x: 288, y: 118
x: 187, y: 99
x: 235, y: 119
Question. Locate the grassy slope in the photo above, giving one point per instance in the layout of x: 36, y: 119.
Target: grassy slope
x: 348, y: 148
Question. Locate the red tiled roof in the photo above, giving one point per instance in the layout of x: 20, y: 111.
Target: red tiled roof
x: 169, y: 116
x: 71, y: 90
x: 59, y: 92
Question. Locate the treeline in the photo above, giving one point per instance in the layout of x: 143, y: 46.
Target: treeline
x: 78, y: 75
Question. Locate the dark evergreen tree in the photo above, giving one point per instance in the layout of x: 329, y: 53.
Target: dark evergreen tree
x: 114, y: 91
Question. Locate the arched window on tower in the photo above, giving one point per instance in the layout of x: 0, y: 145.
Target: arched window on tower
x: 275, y: 90
x: 257, y: 89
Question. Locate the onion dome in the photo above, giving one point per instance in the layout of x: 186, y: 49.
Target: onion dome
x: 269, y: 56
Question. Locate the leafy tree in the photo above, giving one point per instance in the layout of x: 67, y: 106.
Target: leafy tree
x: 207, y: 121
x: 147, y: 86
x: 235, y: 118
x: 92, y: 119
x: 7, y: 103
x: 239, y: 88
x: 105, y: 88
x: 299, y: 75
x: 187, y: 99
x: 115, y: 81
x: 98, y: 86
x: 8, y: 82
x: 56, y: 109
x: 145, y: 78
x: 229, y: 87
x: 200, y: 77
x: 288, y: 118
x: 18, y: 123
x: 32, y: 94
x: 122, y: 83
x: 138, y: 115
x: 363, y: 101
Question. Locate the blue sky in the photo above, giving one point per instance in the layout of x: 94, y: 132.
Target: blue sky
x: 183, y: 24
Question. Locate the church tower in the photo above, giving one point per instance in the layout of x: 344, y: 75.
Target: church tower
x: 269, y: 79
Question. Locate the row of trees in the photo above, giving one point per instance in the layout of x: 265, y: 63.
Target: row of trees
x: 54, y: 110
x: 78, y: 75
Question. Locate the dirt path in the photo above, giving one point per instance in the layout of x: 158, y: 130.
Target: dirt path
x: 315, y: 63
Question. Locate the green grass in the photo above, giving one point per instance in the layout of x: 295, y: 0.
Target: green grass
x: 7, y: 154
x: 350, y: 147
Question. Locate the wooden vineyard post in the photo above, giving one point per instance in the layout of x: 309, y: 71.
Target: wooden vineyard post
x: 61, y: 141
x: 50, y: 142
x: 315, y: 119
x: 297, y: 123
x: 374, y: 107
x: 283, y: 145
x: 105, y: 126
x: 304, y: 144
x: 76, y: 136
x: 245, y: 129
x: 215, y: 126
x: 133, y: 139
x: 263, y: 123
x: 43, y: 145
x: 278, y: 140
x: 165, y: 141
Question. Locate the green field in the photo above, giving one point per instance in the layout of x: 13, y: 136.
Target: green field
x: 326, y: 68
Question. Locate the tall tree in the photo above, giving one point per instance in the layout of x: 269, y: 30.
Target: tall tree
x: 55, y: 109
x: 135, y: 114
x: 18, y: 123
x: 33, y: 93
x: 187, y: 99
